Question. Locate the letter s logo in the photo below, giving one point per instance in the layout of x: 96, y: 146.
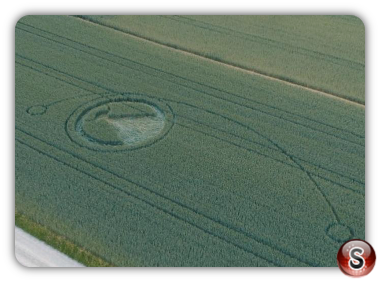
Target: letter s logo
x: 356, y: 262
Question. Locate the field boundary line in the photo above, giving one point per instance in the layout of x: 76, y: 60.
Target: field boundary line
x: 171, y: 74
x: 174, y: 75
x: 226, y: 64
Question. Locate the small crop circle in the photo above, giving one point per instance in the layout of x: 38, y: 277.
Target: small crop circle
x: 37, y: 110
x: 339, y: 232
x: 119, y: 122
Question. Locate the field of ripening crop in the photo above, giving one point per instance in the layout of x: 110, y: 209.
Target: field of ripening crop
x: 191, y: 140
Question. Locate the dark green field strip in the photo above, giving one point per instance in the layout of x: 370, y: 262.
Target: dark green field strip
x: 106, y: 55
x: 315, y: 167
x: 102, y: 177
x: 276, y: 258
x: 262, y: 42
x: 248, y: 144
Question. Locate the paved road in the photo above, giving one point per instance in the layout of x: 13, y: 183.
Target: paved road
x: 32, y: 252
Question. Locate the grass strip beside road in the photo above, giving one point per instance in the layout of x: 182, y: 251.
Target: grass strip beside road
x: 59, y: 243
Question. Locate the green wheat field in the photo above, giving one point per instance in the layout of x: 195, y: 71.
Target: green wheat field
x: 191, y: 140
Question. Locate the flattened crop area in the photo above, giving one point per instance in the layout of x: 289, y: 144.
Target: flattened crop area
x: 146, y: 155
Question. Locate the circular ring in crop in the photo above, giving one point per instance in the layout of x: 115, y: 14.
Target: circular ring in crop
x: 36, y: 110
x: 120, y: 122
x: 339, y: 232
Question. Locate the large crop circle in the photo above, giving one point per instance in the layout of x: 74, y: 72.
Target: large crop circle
x: 119, y: 122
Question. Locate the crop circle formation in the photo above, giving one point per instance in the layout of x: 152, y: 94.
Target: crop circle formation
x: 122, y: 122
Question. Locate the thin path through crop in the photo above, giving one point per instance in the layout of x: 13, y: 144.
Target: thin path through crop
x: 223, y: 63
